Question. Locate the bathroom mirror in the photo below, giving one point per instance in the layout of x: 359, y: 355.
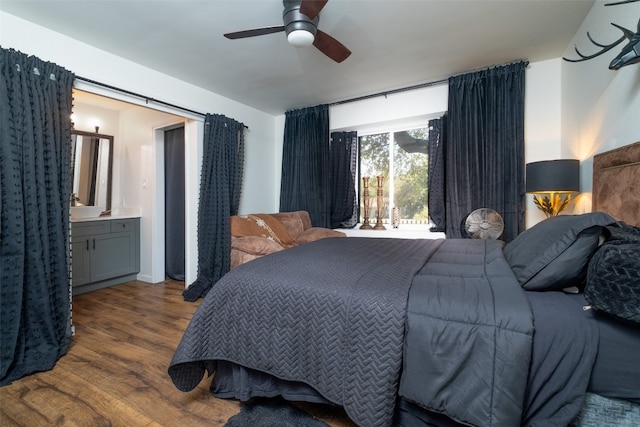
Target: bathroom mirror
x: 92, y: 164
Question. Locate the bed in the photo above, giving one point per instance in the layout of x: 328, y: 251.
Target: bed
x: 433, y: 332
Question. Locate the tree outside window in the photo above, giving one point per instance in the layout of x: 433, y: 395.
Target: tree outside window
x: 401, y: 157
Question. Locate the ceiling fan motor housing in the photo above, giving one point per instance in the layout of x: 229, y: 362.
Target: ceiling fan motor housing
x: 294, y: 20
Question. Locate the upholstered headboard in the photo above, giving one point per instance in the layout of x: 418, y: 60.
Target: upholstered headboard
x: 616, y: 183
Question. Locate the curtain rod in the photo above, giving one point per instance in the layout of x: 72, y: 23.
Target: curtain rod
x: 418, y: 86
x: 391, y: 92
x: 146, y: 98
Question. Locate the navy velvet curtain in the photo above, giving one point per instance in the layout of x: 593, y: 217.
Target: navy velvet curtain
x: 484, y: 149
x: 343, y: 153
x: 174, y: 200
x: 305, y: 181
x: 436, y: 197
x: 220, y: 186
x: 35, y: 188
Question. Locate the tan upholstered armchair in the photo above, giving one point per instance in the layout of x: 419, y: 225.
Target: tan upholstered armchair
x: 256, y: 235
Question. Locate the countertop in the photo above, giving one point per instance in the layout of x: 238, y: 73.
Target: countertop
x: 105, y: 218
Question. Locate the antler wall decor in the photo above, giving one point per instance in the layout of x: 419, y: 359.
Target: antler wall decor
x: 630, y: 53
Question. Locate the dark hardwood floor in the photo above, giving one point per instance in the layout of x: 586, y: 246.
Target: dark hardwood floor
x: 115, y: 373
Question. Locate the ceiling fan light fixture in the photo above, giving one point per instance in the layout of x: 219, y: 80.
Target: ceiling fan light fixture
x: 300, y: 38
x: 301, y: 29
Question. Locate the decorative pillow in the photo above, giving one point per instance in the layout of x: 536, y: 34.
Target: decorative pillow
x: 239, y: 258
x: 261, y: 225
x: 292, y: 221
x: 245, y: 249
x: 255, y: 245
x: 317, y: 233
x: 613, y: 275
x: 554, y: 253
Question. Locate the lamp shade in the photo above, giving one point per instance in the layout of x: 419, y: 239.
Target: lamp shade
x: 553, y: 176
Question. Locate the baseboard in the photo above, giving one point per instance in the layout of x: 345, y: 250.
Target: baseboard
x: 145, y: 278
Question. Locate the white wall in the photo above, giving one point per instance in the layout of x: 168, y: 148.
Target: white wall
x: 276, y: 156
x: 95, y: 64
x: 376, y: 114
x: 85, y: 117
x: 543, y: 124
x: 600, y: 107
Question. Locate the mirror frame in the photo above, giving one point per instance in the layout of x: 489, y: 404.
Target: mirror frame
x: 110, y: 163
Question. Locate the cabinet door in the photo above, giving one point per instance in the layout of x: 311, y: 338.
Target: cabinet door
x: 81, y: 261
x: 112, y: 255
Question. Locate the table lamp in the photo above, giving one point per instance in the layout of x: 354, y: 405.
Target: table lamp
x: 553, y: 177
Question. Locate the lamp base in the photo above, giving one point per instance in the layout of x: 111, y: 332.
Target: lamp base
x: 553, y: 204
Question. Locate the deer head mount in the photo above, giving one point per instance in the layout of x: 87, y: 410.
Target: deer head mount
x: 630, y: 53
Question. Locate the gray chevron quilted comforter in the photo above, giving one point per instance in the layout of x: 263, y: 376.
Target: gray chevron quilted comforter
x: 334, y: 314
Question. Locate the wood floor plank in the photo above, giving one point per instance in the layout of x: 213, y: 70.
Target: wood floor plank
x: 115, y: 373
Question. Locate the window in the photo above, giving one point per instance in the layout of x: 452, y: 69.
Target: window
x: 402, y: 159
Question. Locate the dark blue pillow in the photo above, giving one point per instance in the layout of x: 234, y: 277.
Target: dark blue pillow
x: 613, y: 275
x: 554, y: 253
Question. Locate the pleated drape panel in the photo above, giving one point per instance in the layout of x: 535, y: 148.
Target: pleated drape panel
x: 484, y: 160
x: 305, y: 181
x: 35, y: 181
x: 436, y: 196
x: 220, y: 189
x: 342, y: 177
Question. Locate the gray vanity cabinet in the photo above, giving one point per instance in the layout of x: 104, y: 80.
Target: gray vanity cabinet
x: 104, y: 253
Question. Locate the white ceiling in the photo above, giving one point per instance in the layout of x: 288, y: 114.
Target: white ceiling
x: 395, y: 43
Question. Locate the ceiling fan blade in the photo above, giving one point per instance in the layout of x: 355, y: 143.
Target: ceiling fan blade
x: 312, y: 8
x: 331, y: 47
x: 254, y: 32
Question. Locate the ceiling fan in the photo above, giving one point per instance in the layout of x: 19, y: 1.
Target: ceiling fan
x: 300, y: 19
